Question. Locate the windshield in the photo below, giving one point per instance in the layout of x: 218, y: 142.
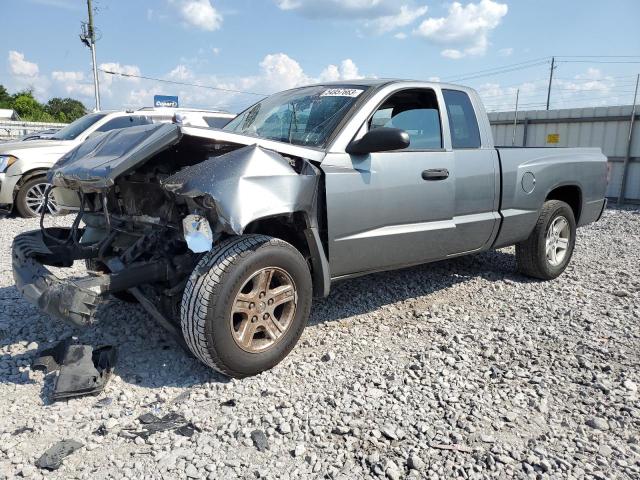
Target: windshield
x: 304, y: 116
x: 71, y: 131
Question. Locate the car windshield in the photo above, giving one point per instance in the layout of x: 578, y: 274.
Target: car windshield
x: 304, y: 116
x: 71, y: 131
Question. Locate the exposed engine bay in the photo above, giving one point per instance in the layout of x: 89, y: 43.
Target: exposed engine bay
x: 152, y: 200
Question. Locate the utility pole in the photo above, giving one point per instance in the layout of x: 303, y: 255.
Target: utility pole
x: 515, y: 119
x: 88, y: 37
x: 553, y: 66
x: 627, y: 158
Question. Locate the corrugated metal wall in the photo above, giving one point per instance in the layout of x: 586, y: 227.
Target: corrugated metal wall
x: 604, y: 127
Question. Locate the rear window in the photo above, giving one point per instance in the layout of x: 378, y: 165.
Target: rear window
x: 462, y: 120
x: 217, y: 122
x: 124, y: 122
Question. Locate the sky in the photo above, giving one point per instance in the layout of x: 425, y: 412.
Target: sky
x: 264, y: 46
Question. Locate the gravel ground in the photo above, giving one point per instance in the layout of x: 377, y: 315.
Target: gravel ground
x: 458, y: 369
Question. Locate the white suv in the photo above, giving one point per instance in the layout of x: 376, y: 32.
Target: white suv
x: 23, y: 165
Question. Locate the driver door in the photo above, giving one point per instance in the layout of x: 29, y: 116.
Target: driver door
x: 391, y: 209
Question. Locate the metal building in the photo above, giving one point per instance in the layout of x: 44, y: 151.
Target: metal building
x: 604, y: 127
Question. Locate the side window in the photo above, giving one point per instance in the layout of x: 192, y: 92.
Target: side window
x: 415, y: 112
x: 462, y: 120
x: 124, y: 122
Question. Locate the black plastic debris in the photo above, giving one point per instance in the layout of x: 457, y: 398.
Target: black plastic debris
x: 229, y: 403
x: 21, y: 430
x: 101, y: 431
x: 104, y: 402
x: 53, y: 457
x: 259, y: 440
x: 151, y: 424
x: 82, y: 370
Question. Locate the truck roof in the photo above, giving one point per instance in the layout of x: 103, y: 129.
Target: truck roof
x: 379, y: 82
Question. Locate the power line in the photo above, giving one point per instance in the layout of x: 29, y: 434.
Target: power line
x: 597, y: 61
x: 175, y: 82
x: 597, y: 56
x: 497, y: 70
x: 514, y: 69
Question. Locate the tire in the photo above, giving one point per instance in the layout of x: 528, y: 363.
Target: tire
x: 28, y: 195
x: 230, y: 276
x: 94, y: 265
x: 535, y: 257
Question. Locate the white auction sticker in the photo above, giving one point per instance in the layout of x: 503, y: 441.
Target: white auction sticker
x: 342, y: 92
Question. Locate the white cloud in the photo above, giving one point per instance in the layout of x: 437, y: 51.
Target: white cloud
x: 276, y: 71
x: 199, y: 13
x: 216, y: 51
x: 21, y: 67
x: 73, y: 83
x: 379, y: 16
x: 181, y: 72
x: 347, y: 70
x: 505, y: 52
x: 406, y: 16
x: 465, y: 29
x: 107, y: 79
x: 589, y: 88
x: 452, y: 53
x: 400, y: 36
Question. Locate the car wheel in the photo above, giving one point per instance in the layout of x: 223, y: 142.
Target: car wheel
x: 30, y: 200
x: 246, y: 304
x: 548, y: 250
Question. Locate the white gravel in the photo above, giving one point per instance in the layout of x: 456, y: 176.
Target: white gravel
x: 458, y: 369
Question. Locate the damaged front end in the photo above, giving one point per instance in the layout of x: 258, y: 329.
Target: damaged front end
x: 150, y: 200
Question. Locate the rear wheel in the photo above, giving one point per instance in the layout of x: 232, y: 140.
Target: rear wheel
x: 246, y: 304
x: 30, y: 200
x: 548, y: 250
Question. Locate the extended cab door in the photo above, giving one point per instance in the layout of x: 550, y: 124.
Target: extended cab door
x: 389, y: 209
x: 477, y: 174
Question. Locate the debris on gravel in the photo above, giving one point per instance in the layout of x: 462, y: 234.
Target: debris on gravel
x: 459, y: 369
x: 53, y: 457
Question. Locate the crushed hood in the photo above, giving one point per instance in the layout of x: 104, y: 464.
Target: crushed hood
x: 248, y: 184
x: 95, y: 164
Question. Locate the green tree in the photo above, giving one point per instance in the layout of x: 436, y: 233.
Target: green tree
x: 5, y: 99
x: 65, y: 109
x: 29, y: 108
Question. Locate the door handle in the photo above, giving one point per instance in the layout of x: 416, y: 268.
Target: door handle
x: 435, y: 174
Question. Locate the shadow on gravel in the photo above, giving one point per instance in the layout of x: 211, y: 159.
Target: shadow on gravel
x: 149, y: 357
x: 370, y: 292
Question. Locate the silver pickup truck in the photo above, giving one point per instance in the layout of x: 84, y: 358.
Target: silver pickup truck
x: 225, y: 236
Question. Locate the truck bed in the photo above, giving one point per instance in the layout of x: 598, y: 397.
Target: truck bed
x: 528, y: 175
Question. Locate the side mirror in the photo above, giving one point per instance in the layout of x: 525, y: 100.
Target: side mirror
x: 381, y: 139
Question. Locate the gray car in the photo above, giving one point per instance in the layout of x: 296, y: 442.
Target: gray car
x: 225, y: 236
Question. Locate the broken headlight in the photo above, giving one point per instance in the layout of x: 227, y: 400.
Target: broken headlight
x: 197, y: 233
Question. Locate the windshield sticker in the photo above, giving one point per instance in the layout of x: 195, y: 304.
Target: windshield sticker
x: 342, y: 92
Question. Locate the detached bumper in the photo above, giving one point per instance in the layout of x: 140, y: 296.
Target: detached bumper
x: 74, y: 301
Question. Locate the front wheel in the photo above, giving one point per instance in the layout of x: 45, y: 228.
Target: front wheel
x: 246, y: 304
x: 548, y: 250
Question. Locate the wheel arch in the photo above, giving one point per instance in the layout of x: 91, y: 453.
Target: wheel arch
x: 298, y: 230
x: 571, y: 194
x: 26, y: 176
